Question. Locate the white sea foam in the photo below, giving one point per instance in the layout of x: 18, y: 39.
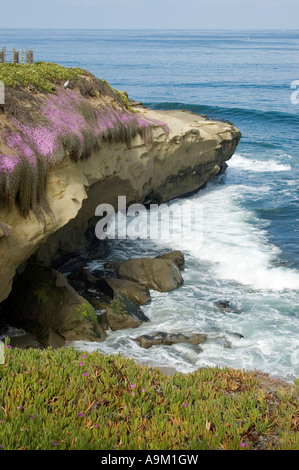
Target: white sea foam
x: 234, y: 242
x: 257, y: 166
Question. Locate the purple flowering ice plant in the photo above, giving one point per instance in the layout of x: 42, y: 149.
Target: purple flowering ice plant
x: 63, y: 115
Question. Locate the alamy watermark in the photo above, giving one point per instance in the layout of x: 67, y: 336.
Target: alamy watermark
x: 2, y: 358
x: 157, y: 222
x: 295, y: 94
x: 2, y: 93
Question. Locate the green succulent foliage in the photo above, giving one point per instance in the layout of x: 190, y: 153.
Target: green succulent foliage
x: 43, y: 76
x: 67, y: 399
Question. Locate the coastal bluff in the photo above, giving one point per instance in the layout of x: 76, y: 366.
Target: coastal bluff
x: 64, y: 152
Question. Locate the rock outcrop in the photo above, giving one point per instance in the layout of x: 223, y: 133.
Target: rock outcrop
x: 147, y: 156
x: 44, y: 304
x: 168, y: 339
x: 162, y: 275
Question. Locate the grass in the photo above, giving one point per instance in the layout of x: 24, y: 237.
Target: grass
x: 41, y: 75
x: 45, y: 76
x: 67, y: 399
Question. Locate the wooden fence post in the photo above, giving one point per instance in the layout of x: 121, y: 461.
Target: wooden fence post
x: 29, y: 57
x: 15, y: 56
x: 3, y: 55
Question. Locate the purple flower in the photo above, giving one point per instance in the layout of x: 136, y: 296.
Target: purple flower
x: 185, y: 404
x: 80, y: 363
x: 96, y: 426
x: 133, y: 393
x: 54, y: 443
x: 20, y: 407
x: 83, y: 357
x: 8, y: 346
x: 132, y: 386
x: 85, y: 374
x: 143, y: 390
x: 242, y: 444
x: 80, y: 414
x: 31, y: 416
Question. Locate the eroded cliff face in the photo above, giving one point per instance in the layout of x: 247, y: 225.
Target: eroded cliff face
x: 167, y: 154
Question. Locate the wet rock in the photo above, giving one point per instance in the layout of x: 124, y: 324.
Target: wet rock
x: 177, y: 257
x: 168, y: 339
x: 234, y: 333
x: 281, y: 264
x: 79, y: 286
x: 157, y: 274
x: 131, y: 289
x: 225, y: 306
x: 119, y: 313
x: 123, y: 313
x: 42, y: 302
x: 112, y: 265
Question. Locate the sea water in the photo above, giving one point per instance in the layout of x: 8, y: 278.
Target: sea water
x: 248, y: 252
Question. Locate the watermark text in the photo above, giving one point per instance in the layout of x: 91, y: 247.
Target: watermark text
x: 295, y: 94
x: 157, y: 222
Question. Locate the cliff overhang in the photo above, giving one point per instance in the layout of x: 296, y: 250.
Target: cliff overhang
x: 64, y: 152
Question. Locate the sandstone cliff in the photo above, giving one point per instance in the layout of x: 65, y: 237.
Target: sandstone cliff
x: 63, y: 154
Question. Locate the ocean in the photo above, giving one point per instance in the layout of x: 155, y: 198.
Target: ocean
x: 248, y: 255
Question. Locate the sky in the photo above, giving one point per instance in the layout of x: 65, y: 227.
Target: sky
x: 150, y: 14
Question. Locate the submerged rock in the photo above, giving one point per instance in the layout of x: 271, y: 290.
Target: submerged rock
x: 43, y: 303
x: 225, y: 306
x: 167, y: 339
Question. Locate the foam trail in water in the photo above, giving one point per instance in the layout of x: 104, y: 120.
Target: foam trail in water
x: 257, y: 166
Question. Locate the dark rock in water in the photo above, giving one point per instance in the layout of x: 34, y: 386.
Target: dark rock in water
x: 87, y: 282
x: 112, y: 265
x: 96, y: 249
x: 79, y: 286
x: 222, y: 304
x: 158, y: 274
x: 43, y: 303
x: 133, y: 290
x: 167, y: 339
x: 281, y: 264
x: 123, y: 313
x: 222, y: 341
x: 223, y: 168
x: 226, y: 306
x: 118, y: 313
x: 233, y: 333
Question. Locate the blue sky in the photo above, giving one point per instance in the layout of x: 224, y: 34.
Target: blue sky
x: 156, y: 14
